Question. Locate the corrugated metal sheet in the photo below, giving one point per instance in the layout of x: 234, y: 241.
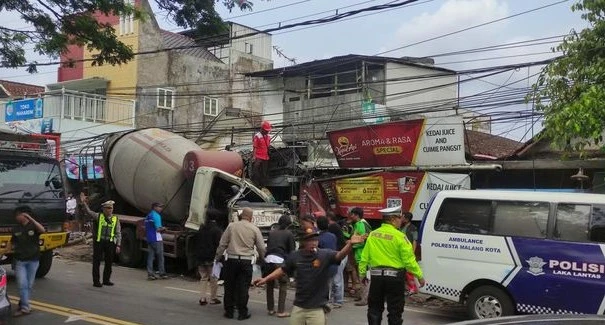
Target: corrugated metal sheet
x: 342, y: 62
x: 172, y: 40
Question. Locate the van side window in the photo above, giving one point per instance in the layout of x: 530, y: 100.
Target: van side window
x: 464, y: 216
x: 519, y: 218
x: 572, y: 222
x: 597, y: 224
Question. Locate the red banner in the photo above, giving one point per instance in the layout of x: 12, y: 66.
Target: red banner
x: 410, y: 190
x: 371, y: 193
x: 383, y: 145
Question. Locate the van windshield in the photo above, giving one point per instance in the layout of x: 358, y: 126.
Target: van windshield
x: 30, y: 178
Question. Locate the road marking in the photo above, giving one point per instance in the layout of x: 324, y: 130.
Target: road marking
x: 75, y: 318
x: 181, y: 289
x: 420, y: 311
x: 73, y: 313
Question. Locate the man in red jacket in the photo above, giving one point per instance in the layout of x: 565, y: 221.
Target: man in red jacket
x: 261, y: 143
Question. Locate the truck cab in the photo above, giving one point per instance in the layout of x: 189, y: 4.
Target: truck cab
x: 214, y: 189
x: 30, y: 176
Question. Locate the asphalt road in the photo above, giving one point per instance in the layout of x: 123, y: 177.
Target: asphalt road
x: 66, y: 295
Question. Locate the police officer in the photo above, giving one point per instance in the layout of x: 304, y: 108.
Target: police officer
x: 388, y: 254
x: 107, y: 237
x: 239, y: 241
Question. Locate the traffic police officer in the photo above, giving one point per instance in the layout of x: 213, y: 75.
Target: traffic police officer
x: 107, y: 237
x: 388, y: 254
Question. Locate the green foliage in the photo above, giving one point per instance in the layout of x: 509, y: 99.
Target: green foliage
x: 56, y: 24
x: 571, y: 90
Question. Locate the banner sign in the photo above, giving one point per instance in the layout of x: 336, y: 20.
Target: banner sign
x: 362, y: 190
x: 46, y: 126
x: 373, y: 113
x: 411, y: 190
x: 427, y: 142
x: 25, y: 109
x: 84, y: 167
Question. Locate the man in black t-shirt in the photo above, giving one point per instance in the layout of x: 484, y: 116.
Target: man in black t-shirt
x: 26, y: 247
x: 311, y: 268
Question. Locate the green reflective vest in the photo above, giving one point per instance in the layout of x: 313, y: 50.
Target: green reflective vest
x: 388, y: 247
x: 103, y: 223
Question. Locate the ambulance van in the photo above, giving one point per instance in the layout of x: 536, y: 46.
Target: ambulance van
x: 506, y: 252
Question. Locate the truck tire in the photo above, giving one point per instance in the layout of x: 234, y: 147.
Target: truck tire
x: 130, y: 251
x: 46, y: 261
x: 489, y: 302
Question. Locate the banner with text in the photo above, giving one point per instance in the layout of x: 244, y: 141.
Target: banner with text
x: 25, y: 109
x: 411, y: 190
x: 434, y: 141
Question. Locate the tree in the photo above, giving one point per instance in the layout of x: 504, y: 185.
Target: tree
x: 570, y: 91
x: 56, y: 24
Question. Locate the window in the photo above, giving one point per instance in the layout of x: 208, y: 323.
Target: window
x: 127, y: 22
x: 335, y: 83
x: 464, y: 216
x: 572, y: 222
x: 248, y: 48
x: 518, y: 218
x: 347, y: 82
x: 30, y: 178
x: 322, y: 86
x: 165, y: 98
x: 210, y: 106
x: 597, y: 224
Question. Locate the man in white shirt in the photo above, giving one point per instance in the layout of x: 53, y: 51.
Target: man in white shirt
x: 70, y: 206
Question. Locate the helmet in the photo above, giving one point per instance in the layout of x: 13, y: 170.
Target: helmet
x: 266, y: 125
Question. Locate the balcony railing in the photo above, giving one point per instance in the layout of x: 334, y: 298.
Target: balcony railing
x: 74, y: 105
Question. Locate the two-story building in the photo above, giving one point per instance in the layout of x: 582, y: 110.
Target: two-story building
x: 192, y: 85
x: 354, y: 90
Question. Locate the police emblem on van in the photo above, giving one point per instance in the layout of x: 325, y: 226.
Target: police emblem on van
x: 536, y: 265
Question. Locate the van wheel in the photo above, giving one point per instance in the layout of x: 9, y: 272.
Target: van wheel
x: 489, y: 302
x: 130, y: 252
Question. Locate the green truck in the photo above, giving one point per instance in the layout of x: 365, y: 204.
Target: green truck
x: 30, y: 175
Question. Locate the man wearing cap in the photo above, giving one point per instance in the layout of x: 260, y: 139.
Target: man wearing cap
x: 239, y: 242
x: 389, y: 254
x: 107, y: 236
x: 155, y: 245
x: 311, y: 267
x: 261, y: 143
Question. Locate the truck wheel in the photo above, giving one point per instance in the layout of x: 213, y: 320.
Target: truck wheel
x: 489, y: 302
x: 130, y: 252
x: 46, y: 261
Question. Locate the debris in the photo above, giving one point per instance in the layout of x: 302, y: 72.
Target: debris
x: 78, y: 250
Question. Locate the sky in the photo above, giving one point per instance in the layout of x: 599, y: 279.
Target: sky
x: 383, y: 31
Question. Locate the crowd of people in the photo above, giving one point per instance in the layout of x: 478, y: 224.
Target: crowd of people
x: 335, y: 257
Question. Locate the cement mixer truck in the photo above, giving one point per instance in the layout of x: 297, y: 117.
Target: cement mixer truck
x: 152, y: 165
